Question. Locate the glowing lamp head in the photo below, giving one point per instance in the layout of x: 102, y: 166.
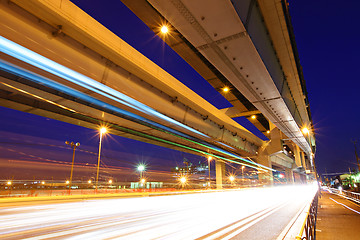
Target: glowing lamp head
x: 67, y: 182
x: 8, y: 182
x: 141, y: 168
x: 231, y: 178
x: 43, y: 182
x: 164, y: 29
x: 242, y: 167
x: 183, y: 180
x: 110, y: 181
x: 89, y: 181
x: 253, y: 117
x: 226, y: 89
x: 209, y: 158
x: 143, y: 180
x: 103, y: 130
x: 305, y: 130
x: 268, y: 131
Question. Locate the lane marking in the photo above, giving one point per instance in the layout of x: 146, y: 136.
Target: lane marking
x: 238, y: 231
x: 345, y: 206
x: 232, y: 227
x: 291, y: 223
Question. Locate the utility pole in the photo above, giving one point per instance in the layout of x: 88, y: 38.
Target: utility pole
x: 356, y: 155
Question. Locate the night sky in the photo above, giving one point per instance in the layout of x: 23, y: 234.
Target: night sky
x: 327, y: 39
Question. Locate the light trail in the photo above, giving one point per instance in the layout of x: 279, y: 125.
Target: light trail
x: 214, y: 215
x: 26, y: 55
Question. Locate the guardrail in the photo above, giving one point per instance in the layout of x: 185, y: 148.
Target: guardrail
x: 347, y: 194
x: 308, y: 230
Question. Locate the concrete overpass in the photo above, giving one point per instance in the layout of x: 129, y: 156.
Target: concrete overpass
x: 249, y: 48
x: 58, y: 62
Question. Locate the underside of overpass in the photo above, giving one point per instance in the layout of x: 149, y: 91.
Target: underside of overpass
x: 100, y: 79
x: 246, y: 50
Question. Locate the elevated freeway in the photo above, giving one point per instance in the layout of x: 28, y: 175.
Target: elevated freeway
x: 57, y: 61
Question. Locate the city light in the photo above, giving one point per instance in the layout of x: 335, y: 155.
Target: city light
x: 9, y: 183
x: 143, y: 180
x: 268, y: 131
x: 183, y: 180
x: 164, y: 29
x: 226, y: 89
x: 67, y: 182
x: 141, y: 167
x: 89, y: 181
x: 42, y: 182
x: 231, y: 178
x: 305, y: 130
x: 103, y: 130
x: 110, y: 181
x: 253, y: 117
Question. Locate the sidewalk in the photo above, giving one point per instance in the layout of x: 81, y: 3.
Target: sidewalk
x: 338, y: 218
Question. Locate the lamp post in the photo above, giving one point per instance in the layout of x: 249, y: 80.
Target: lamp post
x: 356, y: 155
x: 103, y: 130
x: 242, y: 173
x: 209, y: 159
x: 74, y: 146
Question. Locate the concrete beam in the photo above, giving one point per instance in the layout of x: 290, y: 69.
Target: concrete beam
x: 234, y: 112
x: 220, y: 173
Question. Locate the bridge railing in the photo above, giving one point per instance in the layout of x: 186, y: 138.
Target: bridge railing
x: 308, y: 230
x: 347, y: 194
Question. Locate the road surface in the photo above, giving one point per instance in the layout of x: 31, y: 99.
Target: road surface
x: 261, y: 213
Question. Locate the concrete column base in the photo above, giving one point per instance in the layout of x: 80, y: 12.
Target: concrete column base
x: 220, y: 173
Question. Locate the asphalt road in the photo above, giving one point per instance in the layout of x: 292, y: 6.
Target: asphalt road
x: 338, y: 218
x: 261, y: 213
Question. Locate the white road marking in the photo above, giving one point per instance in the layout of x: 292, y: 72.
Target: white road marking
x: 345, y: 206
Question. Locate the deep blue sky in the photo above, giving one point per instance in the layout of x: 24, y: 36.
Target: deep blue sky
x: 327, y: 41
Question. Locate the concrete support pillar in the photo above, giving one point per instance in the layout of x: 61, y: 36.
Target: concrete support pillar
x: 289, y: 175
x: 302, y: 156
x: 264, y: 159
x: 275, y: 144
x: 220, y: 173
x: 297, y: 154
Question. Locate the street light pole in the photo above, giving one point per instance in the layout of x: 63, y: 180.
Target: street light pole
x: 102, y: 131
x: 356, y: 155
x: 242, y: 173
x: 74, y: 146
x: 209, y: 159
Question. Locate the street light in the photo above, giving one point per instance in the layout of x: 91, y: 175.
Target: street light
x: 102, y: 130
x: 74, y: 146
x: 164, y: 29
x: 225, y: 89
x: 305, y: 130
x: 209, y: 159
x: 231, y: 178
x: 141, y: 168
x: 8, y: 183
